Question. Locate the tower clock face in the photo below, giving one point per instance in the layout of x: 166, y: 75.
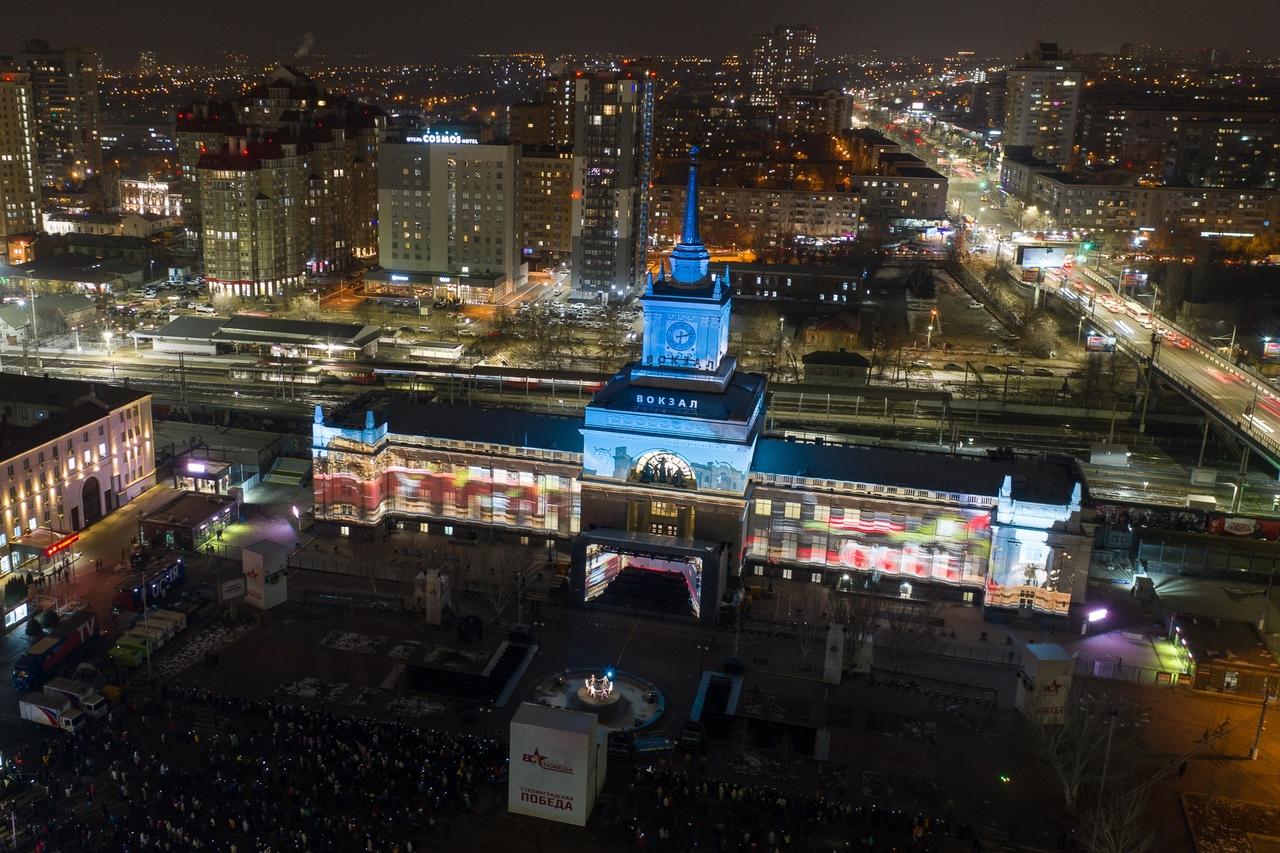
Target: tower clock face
x: 680, y: 336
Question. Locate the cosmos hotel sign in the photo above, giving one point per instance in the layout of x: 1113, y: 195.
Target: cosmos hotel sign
x: 442, y: 138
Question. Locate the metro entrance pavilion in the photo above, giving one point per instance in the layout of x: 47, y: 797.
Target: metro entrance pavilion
x: 668, y: 487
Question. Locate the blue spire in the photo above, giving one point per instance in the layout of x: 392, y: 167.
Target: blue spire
x: 690, y: 259
x: 689, y: 234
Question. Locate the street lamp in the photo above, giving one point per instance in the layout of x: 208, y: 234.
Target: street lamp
x: 106, y: 341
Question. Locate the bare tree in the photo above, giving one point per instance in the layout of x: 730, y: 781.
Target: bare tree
x: 913, y: 627
x: 226, y: 302
x: 304, y: 306
x: 1094, y: 721
x: 1118, y: 825
x: 858, y: 613
x: 812, y: 613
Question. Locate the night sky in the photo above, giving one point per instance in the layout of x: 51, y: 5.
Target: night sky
x: 427, y: 30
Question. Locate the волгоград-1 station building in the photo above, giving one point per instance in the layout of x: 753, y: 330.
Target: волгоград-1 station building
x: 668, y: 490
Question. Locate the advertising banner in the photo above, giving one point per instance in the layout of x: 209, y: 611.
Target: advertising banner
x: 557, y: 764
x: 1271, y: 349
x: 1045, y: 257
x: 1044, y: 683
x: 235, y: 588
x: 1030, y: 274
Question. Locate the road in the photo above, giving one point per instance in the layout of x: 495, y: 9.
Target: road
x: 1238, y: 397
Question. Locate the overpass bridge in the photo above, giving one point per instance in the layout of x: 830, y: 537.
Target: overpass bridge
x: 1239, y: 398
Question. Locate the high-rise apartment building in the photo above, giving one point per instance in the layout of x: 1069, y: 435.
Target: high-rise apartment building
x: 448, y: 217
x: 613, y: 157
x: 782, y: 61
x: 547, y: 119
x: 253, y: 197
x: 1042, y: 103
x: 544, y: 204
x: 64, y: 88
x: 813, y: 113
x: 334, y: 145
x: 19, y: 182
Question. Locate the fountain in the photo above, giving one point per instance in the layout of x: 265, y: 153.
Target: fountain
x: 621, y: 701
x: 597, y: 692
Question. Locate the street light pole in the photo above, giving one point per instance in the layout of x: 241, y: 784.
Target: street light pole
x: 1262, y: 718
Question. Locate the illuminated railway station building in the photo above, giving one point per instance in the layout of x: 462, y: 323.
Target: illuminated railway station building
x: 667, y: 491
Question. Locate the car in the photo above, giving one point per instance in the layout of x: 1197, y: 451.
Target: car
x: 951, y: 365
x: 975, y: 304
x: 206, y: 309
x: 920, y: 362
x: 1042, y: 371
x: 1015, y: 369
x: 1078, y: 373
x: 992, y: 368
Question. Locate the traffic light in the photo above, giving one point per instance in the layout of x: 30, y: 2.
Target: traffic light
x: 1086, y: 247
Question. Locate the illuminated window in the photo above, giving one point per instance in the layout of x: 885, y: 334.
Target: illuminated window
x: 344, y: 530
x: 764, y: 506
x: 664, y: 509
x: 791, y: 509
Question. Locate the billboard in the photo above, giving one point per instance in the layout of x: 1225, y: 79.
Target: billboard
x: 1133, y: 278
x: 945, y: 544
x: 1271, y: 349
x: 667, y: 460
x: 1100, y: 343
x: 1030, y: 274
x: 557, y: 763
x: 351, y: 484
x: 1045, y: 257
x: 603, y: 565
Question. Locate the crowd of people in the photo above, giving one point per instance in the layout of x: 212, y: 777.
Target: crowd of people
x: 188, y: 769
x: 191, y: 770
x: 673, y: 810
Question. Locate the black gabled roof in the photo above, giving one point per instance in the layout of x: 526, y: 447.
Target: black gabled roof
x: 512, y: 427
x: 1049, y: 480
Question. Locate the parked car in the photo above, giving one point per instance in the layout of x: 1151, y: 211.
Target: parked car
x: 1042, y: 371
